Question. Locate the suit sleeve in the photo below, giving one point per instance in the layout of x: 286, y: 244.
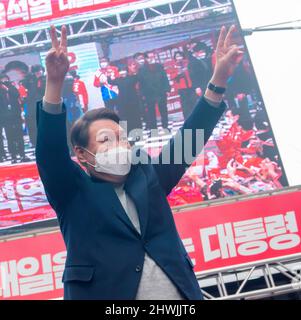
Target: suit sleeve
x: 57, y: 170
x: 204, y: 116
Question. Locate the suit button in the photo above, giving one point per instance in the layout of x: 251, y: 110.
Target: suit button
x: 138, y: 269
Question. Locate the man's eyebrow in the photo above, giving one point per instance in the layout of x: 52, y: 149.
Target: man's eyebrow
x: 105, y: 131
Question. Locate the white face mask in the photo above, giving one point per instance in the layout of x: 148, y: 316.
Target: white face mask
x: 141, y: 62
x: 151, y: 60
x: 115, y: 161
x: 104, y: 65
x: 200, y: 56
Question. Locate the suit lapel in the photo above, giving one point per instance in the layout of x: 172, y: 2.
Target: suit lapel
x: 119, y: 210
x: 136, y: 189
x: 110, y: 199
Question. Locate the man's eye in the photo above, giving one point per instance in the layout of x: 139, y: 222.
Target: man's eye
x: 103, y: 139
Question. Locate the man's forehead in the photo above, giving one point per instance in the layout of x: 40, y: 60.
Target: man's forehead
x: 108, y: 127
x: 104, y: 125
x: 114, y: 131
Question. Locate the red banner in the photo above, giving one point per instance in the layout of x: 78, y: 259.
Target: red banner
x: 215, y: 237
x: 243, y: 232
x: 32, y: 268
x: 22, y: 196
x: 15, y: 13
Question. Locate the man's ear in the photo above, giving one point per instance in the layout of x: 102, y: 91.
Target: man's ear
x: 80, y: 154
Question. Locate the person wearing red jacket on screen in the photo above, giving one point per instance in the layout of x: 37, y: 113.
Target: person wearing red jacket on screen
x: 80, y: 90
x: 102, y: 80
x: 22, y: 91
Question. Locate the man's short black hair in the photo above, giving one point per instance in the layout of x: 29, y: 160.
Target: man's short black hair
x: 138, y: 54
x: 17, y: 65
x: 37, y: 68
x: 201, y: 46
x: 80, y: 130
x: 74, y: 74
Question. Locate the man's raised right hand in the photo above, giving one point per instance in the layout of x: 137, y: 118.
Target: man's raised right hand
x: 57, y: 63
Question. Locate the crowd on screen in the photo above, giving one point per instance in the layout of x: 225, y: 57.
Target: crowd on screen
x: 238, y: 165
x: 242, y: 160
x: 18, y: 106
x: 136, y: 89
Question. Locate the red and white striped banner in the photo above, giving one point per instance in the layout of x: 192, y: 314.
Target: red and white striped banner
x: 15, y: 13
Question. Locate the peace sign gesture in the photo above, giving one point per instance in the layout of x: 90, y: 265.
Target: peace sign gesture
x: 228, y: 56
x: 57, y: 62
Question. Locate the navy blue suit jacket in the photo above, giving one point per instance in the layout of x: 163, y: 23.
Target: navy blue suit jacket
x: 105, y: 253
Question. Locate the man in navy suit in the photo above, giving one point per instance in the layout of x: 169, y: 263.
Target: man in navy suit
x: 119, y: 231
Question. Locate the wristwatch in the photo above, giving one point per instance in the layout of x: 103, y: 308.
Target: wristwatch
x: 216, y: 89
